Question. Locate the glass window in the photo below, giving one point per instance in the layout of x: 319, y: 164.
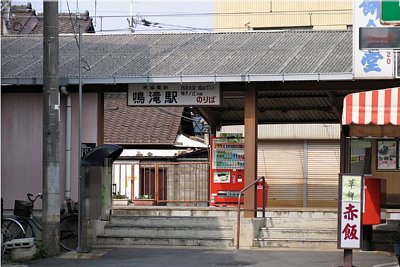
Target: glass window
x: 360, y: 156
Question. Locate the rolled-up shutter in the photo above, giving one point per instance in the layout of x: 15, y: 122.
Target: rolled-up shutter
x: 323, y: 159
x: 281, y: 162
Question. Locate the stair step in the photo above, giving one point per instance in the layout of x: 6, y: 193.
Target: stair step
x: 173, y: 221
x: 182, y: 232
x: 295, y: 243
x: 176, y: 211
x: 300, y: 223
x: 304, y: 233
x: 168, y: 241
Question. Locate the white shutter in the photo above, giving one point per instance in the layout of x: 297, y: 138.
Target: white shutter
x: 281, y: 162
x: 323, y: 160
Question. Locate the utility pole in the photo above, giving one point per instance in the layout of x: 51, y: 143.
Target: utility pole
x: 51, y: 130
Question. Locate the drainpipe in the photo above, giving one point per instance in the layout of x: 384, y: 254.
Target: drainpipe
x: 68, y: 135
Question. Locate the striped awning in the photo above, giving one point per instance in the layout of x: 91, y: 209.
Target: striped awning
x: 378, y: 107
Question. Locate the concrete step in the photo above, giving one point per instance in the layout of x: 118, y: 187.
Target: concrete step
x: 160, y: 240
x: 277, y: 222
x: 295, y: 243
x: 214, y: 227
x: 295, y: 213
x: 176, y: 211
x: 304, y: 233
x: 172, y: 221
x: 176, y: 232
x: 302, y: 213
x: 167, y: 230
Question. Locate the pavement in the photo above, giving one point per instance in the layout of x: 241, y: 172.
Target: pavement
x: 184, y: 257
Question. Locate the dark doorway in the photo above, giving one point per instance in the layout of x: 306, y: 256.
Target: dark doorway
x: 149, y: 180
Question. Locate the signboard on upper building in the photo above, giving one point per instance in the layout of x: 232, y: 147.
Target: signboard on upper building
x: 370, y: 64
x: 350, y: 211
x: 193, y: 94
x: 390, y: 11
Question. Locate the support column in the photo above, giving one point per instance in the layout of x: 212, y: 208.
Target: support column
x: 51, y: 130
x: 344, y: 149
x: 250, y: 148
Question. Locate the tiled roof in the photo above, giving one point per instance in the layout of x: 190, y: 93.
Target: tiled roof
x: 139, y: 125
x: 25, y: 21
x: 136, y: 58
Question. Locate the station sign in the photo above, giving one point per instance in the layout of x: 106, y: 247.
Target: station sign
x: 190, y: 94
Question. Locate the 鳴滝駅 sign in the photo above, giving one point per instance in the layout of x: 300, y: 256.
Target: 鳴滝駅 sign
x: 193, y: 94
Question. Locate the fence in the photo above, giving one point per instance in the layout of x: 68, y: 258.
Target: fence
x: 167, y: 183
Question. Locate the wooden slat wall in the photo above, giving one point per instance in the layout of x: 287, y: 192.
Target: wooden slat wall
x: 281, y: 162
x: 323, y: 170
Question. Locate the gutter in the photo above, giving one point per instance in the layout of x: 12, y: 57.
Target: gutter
x: 345, y: 76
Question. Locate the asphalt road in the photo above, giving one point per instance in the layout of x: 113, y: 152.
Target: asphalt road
x: 177, y: 257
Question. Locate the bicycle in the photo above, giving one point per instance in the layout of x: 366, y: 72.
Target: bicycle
x: 23, y: 210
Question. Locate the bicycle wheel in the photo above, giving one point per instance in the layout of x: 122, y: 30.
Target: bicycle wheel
x: 69, y: 232
x: 29, y: 230
x: 11, y: 229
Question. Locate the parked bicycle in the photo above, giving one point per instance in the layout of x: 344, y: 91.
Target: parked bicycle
x: 23, y: 210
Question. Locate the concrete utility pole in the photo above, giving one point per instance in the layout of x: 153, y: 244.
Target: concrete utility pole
x: 51, y: 130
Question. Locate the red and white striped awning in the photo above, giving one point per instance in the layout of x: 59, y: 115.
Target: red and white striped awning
x: 379, y: 107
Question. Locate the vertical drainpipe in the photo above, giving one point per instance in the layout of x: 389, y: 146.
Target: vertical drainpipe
x: 68, y: 136
x: 305, y: 174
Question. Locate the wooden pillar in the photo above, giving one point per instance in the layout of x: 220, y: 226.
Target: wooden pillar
x: 344, y: 149
x: 250, y: 148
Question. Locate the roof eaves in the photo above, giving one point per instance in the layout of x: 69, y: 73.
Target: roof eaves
x: 191, y: 79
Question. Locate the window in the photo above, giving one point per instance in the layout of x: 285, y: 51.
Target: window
x: 388, y: 155
x: 360, y: 156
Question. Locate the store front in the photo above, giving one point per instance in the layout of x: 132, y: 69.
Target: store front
x: 373, y: 120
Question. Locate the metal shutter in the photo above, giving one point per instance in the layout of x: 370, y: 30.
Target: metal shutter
x: 323, y: 160
x: 281, y: 162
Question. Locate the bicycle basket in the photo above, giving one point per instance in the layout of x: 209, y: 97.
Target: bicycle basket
x: 23, y: 208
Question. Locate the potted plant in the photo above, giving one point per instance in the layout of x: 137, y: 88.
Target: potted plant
x: 144, y: 200
x: 120, y: 200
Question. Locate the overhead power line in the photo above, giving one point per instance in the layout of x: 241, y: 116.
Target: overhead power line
x: 161, y: 14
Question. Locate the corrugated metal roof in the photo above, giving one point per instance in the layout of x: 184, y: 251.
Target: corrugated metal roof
x: 302, y: 57
x: 261, y: 56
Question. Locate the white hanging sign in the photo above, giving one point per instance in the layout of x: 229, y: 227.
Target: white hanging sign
x: 350, y: 211
x: 369, y: 64
x: 194, y: 94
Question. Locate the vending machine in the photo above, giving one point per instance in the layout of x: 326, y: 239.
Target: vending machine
x: 226, y: 169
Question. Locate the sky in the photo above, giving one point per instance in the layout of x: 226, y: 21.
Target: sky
x: 164, y: 16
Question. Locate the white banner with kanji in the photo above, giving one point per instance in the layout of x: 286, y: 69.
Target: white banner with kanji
x: 193, y: 94
x: 350, y: 211
x: 369, y: 64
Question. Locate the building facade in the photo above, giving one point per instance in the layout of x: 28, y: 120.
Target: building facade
x: 256, y: 15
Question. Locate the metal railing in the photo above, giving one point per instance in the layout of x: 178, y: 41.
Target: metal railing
x: 264, y: 187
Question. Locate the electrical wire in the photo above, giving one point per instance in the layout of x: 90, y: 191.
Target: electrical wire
x: 183, y: 14
x: 76, y: 39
